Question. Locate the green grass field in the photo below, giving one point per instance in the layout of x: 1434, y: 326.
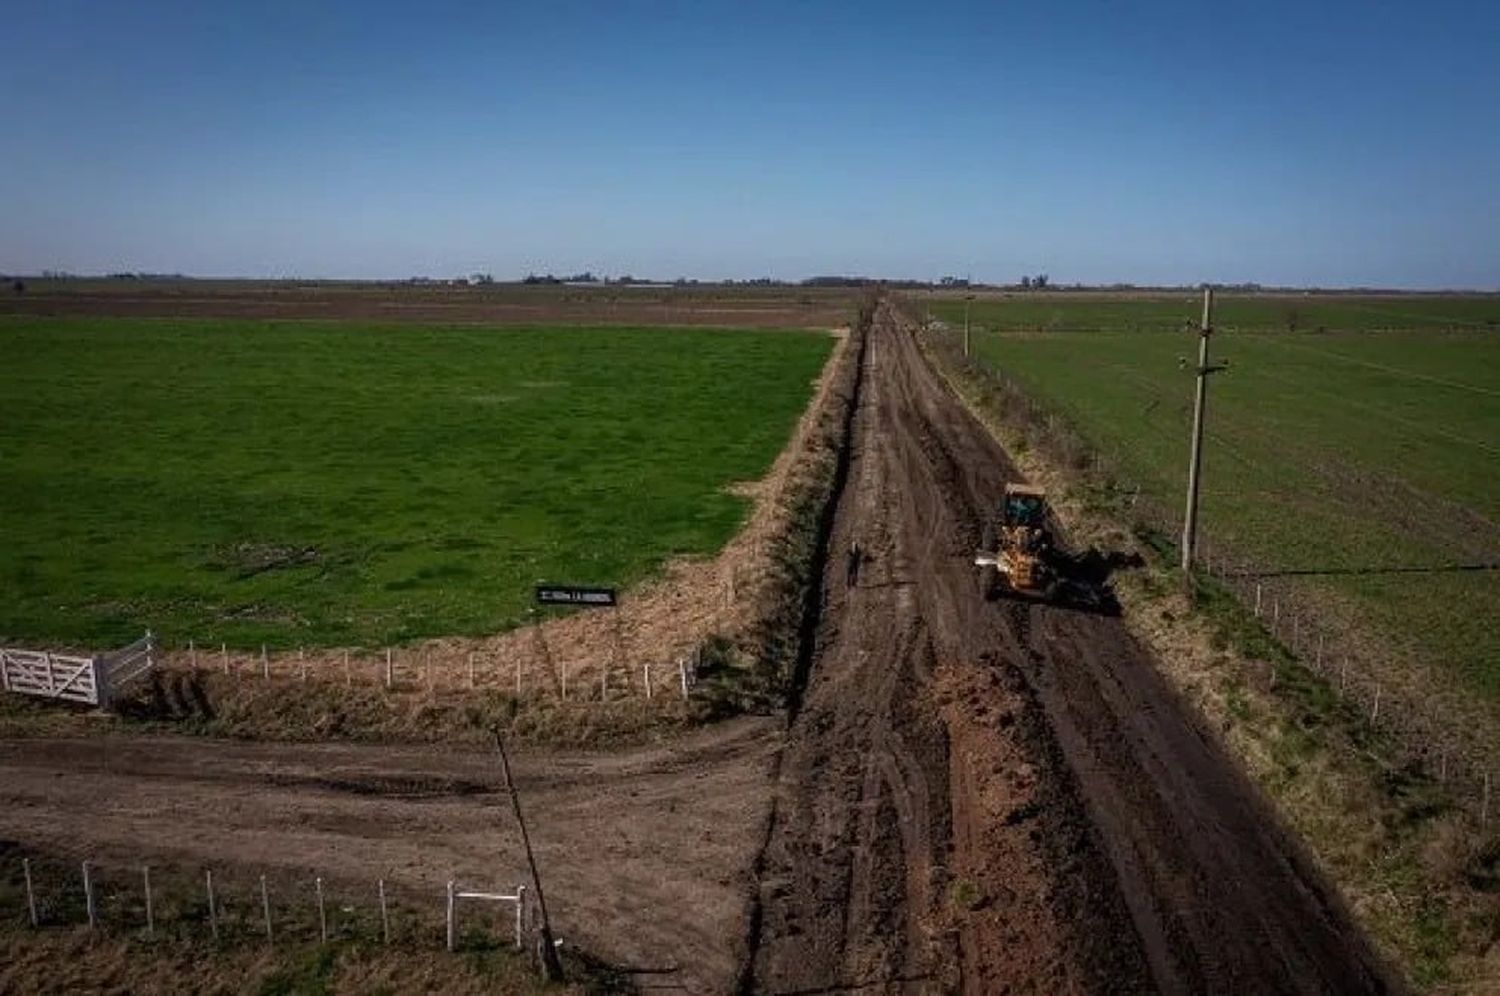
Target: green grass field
x: 334, y: 483
x: 1355, y: 454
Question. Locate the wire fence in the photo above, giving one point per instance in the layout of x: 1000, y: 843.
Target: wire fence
x: 530, y: 668
x: 240, y: 906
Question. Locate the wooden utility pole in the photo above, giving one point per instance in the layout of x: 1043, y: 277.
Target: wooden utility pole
x: 967, y: 299
x: 1195, y: 458
x: 551, y: 964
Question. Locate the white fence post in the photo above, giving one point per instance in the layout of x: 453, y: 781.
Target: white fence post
x: 224, y: 657
x: 682, y: 673
x: 88, y: 895
x: 385, y: 917
x: 646, y: 678
x: 265, y: 909
x: 30, y: 893
x: 265, y: 663
x: 451, y: 914
x: 322, y: 912
x: 390, y: 669
x: 213, y: 913
x: 150, y: 911
x: 520, y: 918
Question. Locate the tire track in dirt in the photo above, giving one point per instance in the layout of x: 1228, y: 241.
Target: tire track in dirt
x: 987, y: 797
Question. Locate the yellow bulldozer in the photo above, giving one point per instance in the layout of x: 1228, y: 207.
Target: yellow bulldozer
x: 1017, y: 556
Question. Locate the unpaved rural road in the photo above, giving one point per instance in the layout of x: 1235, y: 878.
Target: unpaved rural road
x: 989, y: 797
x: 971, y: 797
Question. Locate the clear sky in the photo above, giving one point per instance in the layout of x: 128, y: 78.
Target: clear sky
x: 1284, y: 141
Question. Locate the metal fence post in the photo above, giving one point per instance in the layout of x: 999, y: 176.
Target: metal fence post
x: 322, y: 912
x: 385, y: 917
x: 520, y: 918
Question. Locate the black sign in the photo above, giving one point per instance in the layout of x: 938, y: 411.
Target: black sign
x: 568, y: 594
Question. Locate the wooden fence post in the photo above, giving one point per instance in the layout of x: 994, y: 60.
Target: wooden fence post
x: 390, y: 669
x: 150, y: 910
x: 1484, y: 805
x: 30, y: 893
x: 646, y: 678
x: 347, y: 680
x: 192, y: 657
x: 322, y: 912
x: 385, y: 917
x: 1257, y: 599
x: 1375, y: 710
x: 471, y: 670
x: 88, y: 895
x: 682, y: 673
x: 302, y: 664
x: 224, y: 657
x: 265, y: 909
x: 518, y: 678
x: 265, y: 663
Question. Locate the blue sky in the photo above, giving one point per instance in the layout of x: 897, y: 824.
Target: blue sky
x: 1282, y: 142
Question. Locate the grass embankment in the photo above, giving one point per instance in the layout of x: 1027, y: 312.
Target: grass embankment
x: 1419, y: 872
x: 295, y: 483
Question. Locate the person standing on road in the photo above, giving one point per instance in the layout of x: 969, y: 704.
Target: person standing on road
x: 851, y: 566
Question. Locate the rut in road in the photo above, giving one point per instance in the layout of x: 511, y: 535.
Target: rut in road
x: 981, y: 796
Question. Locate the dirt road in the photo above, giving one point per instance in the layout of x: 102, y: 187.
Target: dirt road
x: 995, y: 797
x: 639, y: 849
